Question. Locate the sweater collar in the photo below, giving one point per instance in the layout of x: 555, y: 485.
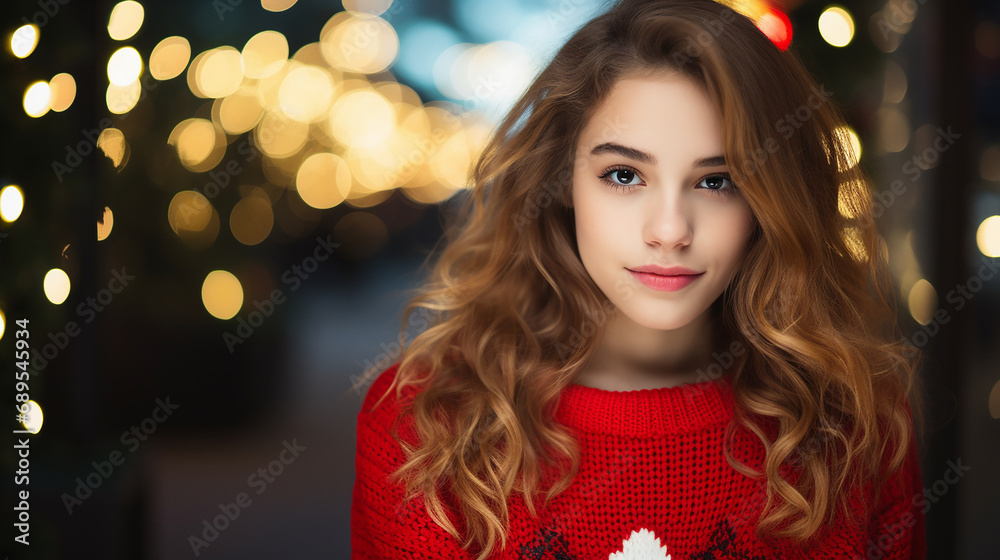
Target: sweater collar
x: 647, y: 412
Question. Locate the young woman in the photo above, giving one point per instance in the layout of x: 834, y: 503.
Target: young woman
x: 666, y: 308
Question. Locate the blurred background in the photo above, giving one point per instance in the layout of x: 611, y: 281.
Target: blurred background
x: 212, y: 210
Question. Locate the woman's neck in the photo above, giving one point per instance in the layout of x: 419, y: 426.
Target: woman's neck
x: 631, y: 356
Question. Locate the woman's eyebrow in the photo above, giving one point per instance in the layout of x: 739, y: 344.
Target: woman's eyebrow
x: 631, y: 153
x: 711, y: 161
x: 641, y: 156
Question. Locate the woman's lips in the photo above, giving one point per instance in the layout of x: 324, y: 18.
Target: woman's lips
x: 665, y: 283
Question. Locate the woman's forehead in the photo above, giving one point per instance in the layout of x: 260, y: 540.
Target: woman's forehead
x: 659, y: 115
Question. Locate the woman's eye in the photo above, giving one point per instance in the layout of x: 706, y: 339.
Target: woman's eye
x: 717, y: 183
x: 620, y: 178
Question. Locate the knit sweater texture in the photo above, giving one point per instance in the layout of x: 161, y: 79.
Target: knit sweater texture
x: 653, y: 484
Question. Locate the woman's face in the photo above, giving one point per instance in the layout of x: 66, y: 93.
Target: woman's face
x: 650, y: 188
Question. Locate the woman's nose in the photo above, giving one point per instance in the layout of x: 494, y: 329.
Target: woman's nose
x: 668, y: 220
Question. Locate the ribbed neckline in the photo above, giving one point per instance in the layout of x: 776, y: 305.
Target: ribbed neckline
x: 647, y: 412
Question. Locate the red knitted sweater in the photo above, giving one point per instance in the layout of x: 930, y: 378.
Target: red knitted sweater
x: 653, y: 484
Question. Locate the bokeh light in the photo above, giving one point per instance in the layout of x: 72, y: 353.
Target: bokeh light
x: 240, y: 111
x: 362, y: 118
x: 37, y: 98
x: 169, y: 58
x: 122, y: 99
x: 113, y: 144
x: 489, y: 20
x: 251, y: 219
x: 836, y: 26
x: 894, y: 89
x: 323, y: 181
x: 359, y: 42
x: 886, y: 27
x: 452, y: 161
x: 850, y: 146
x: 24, y: 40
x: 269, y: 87
x: 124, y: 66
x: 264, y: 54
x: 893, y: 129
x: 988, y: 237
x: 34, y: 418
x: 277, y: 5
x: 374, y: 7
x: 923, y: 300
x: 104, y: 228
x: 125, y: 21
x: 219, y: 73
x: 306, y: 93
x: 280, y: 137
x: 189, y: 210
x: 989, y: 163
x: 421, y: 43
x: 310, y: 53
x: 56, y: 285
x: 222, y: 294
x: 776, y: 26
x: 200, y: 144
x: 193, y: 219
x: 62, y: 89
x: 11, y: 203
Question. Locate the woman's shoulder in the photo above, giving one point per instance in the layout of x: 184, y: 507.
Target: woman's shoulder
x: 379, y: 385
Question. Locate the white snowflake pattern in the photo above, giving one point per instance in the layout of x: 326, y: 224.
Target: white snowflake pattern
x: 641, y: 545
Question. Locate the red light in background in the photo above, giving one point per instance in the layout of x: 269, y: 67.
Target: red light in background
x: 776, y: 25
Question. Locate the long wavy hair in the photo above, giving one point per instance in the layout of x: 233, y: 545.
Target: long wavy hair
x: 516, y: 315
